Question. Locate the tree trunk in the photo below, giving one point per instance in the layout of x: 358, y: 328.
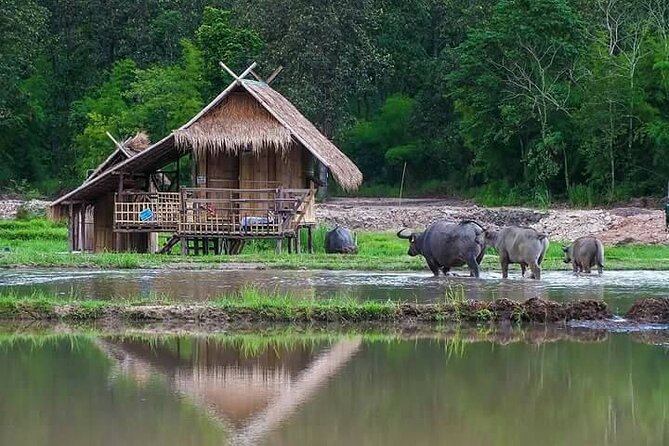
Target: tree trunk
x: 611, y: 154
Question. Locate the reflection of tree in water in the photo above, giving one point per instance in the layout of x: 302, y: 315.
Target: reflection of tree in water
x: 251, y: 387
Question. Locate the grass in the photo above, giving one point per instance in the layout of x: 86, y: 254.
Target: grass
x: 253, y: 306
x: 39, y: 243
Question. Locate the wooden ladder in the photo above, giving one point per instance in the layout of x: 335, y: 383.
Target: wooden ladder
x: 171, y: 242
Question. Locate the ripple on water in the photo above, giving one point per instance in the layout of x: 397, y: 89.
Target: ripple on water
x: 618, y: 288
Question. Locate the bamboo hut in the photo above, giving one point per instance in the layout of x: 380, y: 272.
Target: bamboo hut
x: 252, y: 160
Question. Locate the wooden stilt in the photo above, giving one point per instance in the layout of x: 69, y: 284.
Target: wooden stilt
x: 298, y: 242
x: 310, y: 239
x: 184, y: 246
x: 70, y: 227
x: 277, y: 248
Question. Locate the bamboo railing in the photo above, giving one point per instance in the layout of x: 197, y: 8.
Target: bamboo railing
x: 157, y: 210
x: 222, y: 212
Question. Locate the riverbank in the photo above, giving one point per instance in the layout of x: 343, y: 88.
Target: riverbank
x: 251, y: 307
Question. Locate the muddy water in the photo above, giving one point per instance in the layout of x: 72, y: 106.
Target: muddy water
x: 619, y: 288
x: 330, y: 390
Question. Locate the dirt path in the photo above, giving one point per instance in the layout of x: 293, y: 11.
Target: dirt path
x: 613, y: 226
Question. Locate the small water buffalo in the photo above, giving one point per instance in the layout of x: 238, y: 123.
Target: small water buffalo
x: 525, y: 246
x: 445, y: 245
x: 584, y: 253
x: 340, y: 241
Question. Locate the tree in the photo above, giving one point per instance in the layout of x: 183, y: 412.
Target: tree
x: 21, y: 26
x: 220, y: 41
x: 327, y: 48
x: 512, y: 85
x: 158, y: 100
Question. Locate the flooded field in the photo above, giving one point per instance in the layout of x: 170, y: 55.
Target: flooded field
x: 618, y: 288
x: 66, y: 390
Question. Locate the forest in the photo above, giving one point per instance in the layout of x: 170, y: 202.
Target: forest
x: 505, y: 101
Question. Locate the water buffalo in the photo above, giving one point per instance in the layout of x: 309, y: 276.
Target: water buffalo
x: 340, y: 241
x: 518, y: 245
x: 584, y: 253
x: 445, y: 245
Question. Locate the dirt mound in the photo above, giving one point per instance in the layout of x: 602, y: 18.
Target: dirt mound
x: 647, y: 227
x: 10, y: 207
x: 619, y: 225
x: 653, y: 310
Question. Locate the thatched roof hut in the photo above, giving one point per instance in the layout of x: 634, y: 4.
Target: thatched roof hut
x: 254, y: 160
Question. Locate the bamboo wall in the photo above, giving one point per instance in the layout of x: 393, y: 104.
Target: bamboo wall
x: 103, y: 217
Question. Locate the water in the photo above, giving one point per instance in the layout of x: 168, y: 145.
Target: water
x: 330, y: 390
x: 618, y: 288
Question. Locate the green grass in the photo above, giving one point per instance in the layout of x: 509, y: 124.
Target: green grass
x: 39, y: 243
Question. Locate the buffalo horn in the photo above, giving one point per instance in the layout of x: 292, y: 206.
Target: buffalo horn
x: 400, y: 235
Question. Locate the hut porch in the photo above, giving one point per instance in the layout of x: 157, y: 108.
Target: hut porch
x: 210, y: 219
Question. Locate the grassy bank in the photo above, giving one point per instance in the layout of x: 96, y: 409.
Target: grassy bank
x: 40, y: 243
x: 251, y: 306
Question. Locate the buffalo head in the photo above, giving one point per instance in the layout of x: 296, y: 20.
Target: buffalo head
x: 567, y: 254
x: 413, y: 248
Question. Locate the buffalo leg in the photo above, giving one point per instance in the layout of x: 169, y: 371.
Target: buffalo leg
x: 433, y: 267
x: 574, y: 267
x: 445, y: 270
x: 536, y: 271
x: 473, y: 265
x: 523, y: 268
x: 600, y: 268
x: 505, y: 267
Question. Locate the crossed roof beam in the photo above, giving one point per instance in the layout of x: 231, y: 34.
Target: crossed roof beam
x: 250, y: 70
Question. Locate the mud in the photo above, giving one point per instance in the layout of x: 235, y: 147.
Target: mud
x: 652, y: 310
x: 533, y: 310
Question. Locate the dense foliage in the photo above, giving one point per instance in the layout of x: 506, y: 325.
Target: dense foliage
x: 507, y: 100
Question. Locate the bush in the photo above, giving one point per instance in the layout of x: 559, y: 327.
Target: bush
x: 580, y: 195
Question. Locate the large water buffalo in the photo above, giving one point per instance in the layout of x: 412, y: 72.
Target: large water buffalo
x: 585, y: 253
x: 340, y: 241
x: 525, y: 246
x: 445, y: 245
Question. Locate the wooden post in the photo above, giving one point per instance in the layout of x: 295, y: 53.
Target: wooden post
x: 277, y: 248
x: 184, y: 246
x: 70, y: 227
x: 118, y: 237
x: 82, y: 226
x: 298, y: 242
x: 310, y: 239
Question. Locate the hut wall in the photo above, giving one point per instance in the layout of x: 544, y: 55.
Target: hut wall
x: 223, y: 171
x: 290, y: 168
x: 89, y: 227
x: 103, y: 217
x: 134, y: 242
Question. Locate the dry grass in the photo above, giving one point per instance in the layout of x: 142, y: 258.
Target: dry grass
x: 240, y: 122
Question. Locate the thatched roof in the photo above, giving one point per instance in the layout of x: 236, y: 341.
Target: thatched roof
x: 136, y: 144
x: 251, y: 114
x: 345, y: 172
x: 246, y: 115
x: 238, y: 123
x: 126, y: 149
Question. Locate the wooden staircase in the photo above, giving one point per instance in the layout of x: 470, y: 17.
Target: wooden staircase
x: 169, y: 244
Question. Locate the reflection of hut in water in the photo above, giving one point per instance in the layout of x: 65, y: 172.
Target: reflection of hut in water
x: 251, y: 392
